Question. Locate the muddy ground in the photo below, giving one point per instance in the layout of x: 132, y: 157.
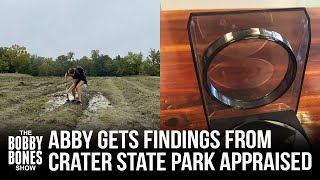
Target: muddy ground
x: 109, y: 103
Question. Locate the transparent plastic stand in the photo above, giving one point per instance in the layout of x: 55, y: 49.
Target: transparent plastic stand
x: 250, y: 67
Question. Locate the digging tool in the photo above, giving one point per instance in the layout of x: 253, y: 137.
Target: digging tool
x: 68, y: 100
x: 67, y: 92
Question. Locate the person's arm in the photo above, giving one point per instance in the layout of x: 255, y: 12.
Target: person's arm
x: 66, y: 81
x: 70, y: 88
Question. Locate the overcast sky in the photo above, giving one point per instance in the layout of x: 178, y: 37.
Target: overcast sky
x: 51, y: 28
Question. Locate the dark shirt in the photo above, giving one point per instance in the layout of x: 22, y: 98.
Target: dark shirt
x: 79, y: 76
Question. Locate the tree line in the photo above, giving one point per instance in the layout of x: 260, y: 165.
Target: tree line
x: 16, y: 59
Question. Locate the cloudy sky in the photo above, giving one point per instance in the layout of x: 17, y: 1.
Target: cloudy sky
x: 54, y: 27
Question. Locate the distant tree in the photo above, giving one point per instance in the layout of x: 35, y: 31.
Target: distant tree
x: 4, y: 62
x: 111, y: 67
x: 149, y: 68
x: 135, y: 61
x: 47, y: 67
x: 122, y: 65
x: 105, y: 67
x: 99, y: 63
x: 70, y: 56
x: 154, y: 56
x: 36, y: 61
x: 61, y: 65
x: 18, y: 59
x: 87, y: 64
x: 152, y: 64
x: 95, y: 54
x: 4, y: 66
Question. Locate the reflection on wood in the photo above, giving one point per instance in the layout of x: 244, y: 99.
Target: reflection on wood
x: 180, y: 100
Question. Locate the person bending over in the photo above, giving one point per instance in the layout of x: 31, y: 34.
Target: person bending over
x: 79, y: 79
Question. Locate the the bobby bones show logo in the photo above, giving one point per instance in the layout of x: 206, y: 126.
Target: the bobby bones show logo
x: 24, y: 151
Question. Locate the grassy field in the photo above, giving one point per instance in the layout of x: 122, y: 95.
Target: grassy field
x: 39, y: 103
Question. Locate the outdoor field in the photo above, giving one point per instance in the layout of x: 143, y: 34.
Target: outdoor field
x: 109, y: 103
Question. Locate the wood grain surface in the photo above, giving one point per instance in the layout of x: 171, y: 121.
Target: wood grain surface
x: 180, y: 100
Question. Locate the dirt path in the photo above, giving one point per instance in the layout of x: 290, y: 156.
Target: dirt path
x: 88, y: 120
x: 121, y: 114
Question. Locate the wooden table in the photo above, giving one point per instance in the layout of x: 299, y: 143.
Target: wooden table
x: 180, y: 101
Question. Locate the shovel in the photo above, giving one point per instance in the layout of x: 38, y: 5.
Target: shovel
x: 68, y: 100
